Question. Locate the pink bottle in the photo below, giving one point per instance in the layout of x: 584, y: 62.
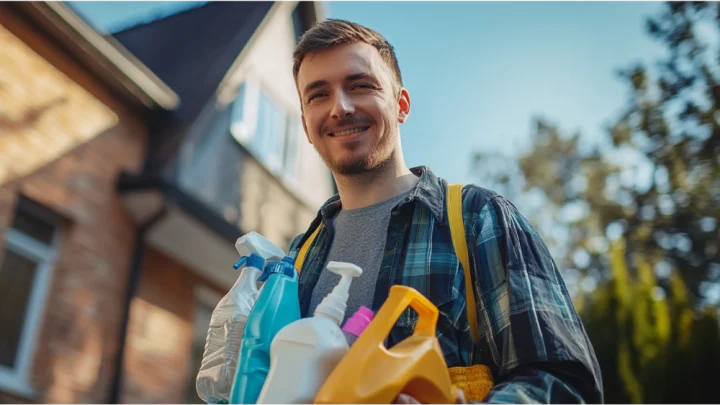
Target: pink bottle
x: 357, y: 323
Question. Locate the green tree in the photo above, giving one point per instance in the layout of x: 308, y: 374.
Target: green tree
x: 673, y: 121
x: 639, y: 216
x: 652, y: 347
x: 655, y: 182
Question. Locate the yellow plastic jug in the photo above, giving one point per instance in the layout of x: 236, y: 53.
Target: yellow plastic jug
x: 370, y: 373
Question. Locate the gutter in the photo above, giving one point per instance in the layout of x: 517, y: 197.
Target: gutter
x: 104, y: 56
x: 133, y: 282
x: 172, y: 195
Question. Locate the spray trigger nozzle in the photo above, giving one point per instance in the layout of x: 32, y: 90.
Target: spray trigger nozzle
x: 253, y: 260
x: 240, y: 262
x: 253, y: 242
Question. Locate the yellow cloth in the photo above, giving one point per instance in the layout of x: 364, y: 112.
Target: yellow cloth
x: 475, y: 381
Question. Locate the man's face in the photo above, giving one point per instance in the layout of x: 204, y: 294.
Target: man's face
x: 351, y: 108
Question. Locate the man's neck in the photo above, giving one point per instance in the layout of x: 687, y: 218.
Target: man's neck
x: 362, y: 190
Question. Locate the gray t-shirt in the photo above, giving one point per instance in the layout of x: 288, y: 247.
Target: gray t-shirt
x: 360, y: 236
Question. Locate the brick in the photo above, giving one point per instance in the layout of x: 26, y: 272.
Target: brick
x: 63, y: 144
x: 67, y: 158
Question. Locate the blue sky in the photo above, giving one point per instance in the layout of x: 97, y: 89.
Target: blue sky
x: 477, y: 72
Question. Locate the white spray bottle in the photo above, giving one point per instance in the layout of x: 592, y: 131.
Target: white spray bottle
x: 227, y: 323
x: 305, y: 352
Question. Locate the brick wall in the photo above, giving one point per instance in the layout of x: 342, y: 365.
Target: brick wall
x: 63, y: 140
x: 160, y: 333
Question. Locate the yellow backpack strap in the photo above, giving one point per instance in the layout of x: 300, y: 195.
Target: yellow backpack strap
x: 457, y: 230
x: 300, y: 259
x: 475, y: 381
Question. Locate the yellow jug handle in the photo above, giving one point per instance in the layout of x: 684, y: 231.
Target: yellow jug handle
x: 427, y: 312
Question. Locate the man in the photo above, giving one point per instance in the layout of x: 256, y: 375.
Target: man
x: 391, y: 221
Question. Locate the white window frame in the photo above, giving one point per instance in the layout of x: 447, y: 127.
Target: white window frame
x: 245, y: 130
x: 16, y: 380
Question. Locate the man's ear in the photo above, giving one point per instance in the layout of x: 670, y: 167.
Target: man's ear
x: 305, y: 129
x: 404, y: 105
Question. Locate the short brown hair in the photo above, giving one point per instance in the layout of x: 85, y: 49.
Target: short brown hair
x: 332, y: 32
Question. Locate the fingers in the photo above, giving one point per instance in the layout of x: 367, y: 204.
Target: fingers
x: 405, y: 399
x: 460, y: 397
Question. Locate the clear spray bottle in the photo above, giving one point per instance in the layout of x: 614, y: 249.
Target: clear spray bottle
x: 227, y: 323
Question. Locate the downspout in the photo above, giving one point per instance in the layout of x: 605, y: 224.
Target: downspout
x: 133, y: 282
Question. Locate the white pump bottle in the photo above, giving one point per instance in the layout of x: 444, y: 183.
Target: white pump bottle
x: 227, y: 323
x: 305, y: 352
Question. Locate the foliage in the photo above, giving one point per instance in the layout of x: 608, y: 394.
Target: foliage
x: 652, y: 348
x: 639, y: 217
x: 656, y: 180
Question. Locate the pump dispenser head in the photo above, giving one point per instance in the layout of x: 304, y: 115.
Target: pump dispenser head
x: 335, y: 303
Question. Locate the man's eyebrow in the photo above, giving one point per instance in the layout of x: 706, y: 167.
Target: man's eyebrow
x: 314, y: 85
x: 359, y: 76
x: 349, y: 78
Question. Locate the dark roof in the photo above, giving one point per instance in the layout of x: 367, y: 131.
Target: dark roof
x: 191, y: 52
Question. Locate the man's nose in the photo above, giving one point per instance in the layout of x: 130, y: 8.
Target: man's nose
x: 342, y: 107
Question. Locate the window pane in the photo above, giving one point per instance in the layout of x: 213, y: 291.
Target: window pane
x: 238, y: 107
x: 293, y: 134
x: 33, y: 226
x: 270, y: 138
x: 16, y: 279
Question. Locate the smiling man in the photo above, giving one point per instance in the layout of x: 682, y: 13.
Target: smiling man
x: 392, y: 221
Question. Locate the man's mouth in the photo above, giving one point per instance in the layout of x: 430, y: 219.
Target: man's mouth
x: 348, y: 131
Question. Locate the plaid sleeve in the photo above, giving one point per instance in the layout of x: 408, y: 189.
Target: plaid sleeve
x: 531, y: 337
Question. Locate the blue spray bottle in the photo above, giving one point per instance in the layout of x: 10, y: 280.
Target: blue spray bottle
x: 277, y: 306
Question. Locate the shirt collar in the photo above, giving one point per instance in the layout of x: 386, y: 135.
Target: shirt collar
x: 429, y: 191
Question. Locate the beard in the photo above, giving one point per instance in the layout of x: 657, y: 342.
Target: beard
x: 360, y: 166
x: 379, y: 157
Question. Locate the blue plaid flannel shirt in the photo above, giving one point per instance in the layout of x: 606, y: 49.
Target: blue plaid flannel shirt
x: 530, y: 334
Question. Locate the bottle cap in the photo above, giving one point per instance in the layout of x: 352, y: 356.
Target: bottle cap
x: 285, y: 266
x: 359, y: 321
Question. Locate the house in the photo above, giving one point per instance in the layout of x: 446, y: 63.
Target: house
x: 129, y: 165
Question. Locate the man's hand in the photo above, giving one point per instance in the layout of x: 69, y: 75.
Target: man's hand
x: 407, y: 399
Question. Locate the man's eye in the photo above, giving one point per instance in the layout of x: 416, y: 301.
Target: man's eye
x: 363, y: 86
x: 315, y: 96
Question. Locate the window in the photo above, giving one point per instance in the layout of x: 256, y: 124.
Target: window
x: 25, y: 267
x: 291, y: 157
x: 269, y: 139
x: 267, y: 130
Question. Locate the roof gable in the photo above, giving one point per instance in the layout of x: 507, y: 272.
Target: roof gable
x: 192, y: 50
